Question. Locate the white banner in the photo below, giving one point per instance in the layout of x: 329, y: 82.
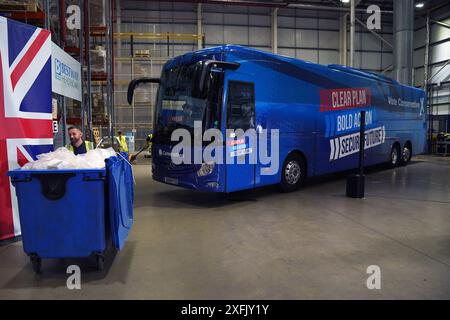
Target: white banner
x: 66, y: 74
x: 343, y: 146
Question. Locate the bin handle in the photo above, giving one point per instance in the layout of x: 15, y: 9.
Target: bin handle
x: 25, y: 178
x: 54, y: 185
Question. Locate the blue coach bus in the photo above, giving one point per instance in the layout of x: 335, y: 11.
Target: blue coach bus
x: 315, y: 108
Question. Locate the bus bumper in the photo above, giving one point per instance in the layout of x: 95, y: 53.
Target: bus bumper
x: 209, y: 183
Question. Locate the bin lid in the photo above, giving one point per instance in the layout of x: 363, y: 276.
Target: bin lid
x: 121, y: 193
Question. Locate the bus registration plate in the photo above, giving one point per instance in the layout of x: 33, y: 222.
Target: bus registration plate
x: 170, y: 180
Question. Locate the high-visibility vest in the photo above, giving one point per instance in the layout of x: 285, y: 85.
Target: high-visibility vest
x: 123, y: 143
x: 89, y: 146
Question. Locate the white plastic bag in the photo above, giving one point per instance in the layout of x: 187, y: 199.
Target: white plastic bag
x: 63, y: 158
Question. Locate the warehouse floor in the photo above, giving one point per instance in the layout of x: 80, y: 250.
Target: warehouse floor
x: 262, y: 244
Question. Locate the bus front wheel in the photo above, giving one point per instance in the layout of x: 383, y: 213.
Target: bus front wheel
x: 293, y: 173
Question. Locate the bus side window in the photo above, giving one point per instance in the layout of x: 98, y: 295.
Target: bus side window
x: 241, y: 105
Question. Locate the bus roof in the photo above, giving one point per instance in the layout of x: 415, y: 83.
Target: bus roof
x: 222, y: 52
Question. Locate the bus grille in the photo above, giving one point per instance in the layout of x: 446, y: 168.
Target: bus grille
x: 175, y: 168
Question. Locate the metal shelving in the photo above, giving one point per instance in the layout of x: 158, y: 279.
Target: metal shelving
x: 137, y: 118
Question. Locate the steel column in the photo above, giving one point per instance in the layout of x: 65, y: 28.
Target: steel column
x: 352, y: 33
x: 403, y: 40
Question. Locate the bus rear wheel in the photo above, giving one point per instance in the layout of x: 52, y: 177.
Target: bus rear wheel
x: 293, y: 173
x: 406, y: 154
x: 394, y: 156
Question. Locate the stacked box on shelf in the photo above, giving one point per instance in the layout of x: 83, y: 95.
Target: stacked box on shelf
x: 98, y: 59
x: 97, y: 13
x: 20, y: 5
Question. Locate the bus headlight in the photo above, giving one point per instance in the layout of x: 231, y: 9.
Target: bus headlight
x: 205, y: 169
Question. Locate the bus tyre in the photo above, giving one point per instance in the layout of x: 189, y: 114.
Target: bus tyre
x: 293, y: 173
x: 406, y: 154
x: 394, y: 158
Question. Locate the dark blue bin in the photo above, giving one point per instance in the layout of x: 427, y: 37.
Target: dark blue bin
x: 120, y: 197
x: 63, y: 212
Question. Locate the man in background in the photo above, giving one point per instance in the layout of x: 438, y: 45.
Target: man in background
x: 123, y: 146
x: 77, y: 145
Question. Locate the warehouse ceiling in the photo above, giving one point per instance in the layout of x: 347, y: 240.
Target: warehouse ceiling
x: 385, y: 5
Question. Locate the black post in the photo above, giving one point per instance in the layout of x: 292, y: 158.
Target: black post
x: 131, y: 46
x: 362, y: 141
x: 168, y: 49
x: 355, y: 182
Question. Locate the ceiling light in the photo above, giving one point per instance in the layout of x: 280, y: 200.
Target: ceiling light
x: 345, y: 1
x: 420, y: 5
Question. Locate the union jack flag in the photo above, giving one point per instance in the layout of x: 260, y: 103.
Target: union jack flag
x: 25, y: 108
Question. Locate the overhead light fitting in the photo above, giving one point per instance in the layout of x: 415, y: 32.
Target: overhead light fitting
x: 420, y: 5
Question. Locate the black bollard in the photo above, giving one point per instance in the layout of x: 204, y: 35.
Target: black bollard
x: 355, y: 182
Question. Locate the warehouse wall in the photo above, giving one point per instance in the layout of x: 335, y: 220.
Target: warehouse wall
x: 304, y: 34
x: 439, y: 53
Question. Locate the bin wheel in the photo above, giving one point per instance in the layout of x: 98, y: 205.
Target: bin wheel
x: 100, y: 262
x: 36, y: 263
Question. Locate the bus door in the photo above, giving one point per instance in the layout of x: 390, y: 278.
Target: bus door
x: 240, y: 114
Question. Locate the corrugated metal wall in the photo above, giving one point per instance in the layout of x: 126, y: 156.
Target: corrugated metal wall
x: 439, y: 53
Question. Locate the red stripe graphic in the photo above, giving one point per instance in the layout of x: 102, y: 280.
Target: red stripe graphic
x: 25, y: 128
x: 21, y: 159
x: 345, y: 98
x: 23, y: 64
x: 6, y: 214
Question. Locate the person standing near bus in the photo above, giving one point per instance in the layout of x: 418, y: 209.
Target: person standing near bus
x: 149, y: 143
x: 123, y: 146
x: 77, y: 144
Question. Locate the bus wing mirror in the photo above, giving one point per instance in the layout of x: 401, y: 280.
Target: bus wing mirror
x: 136, y: 82
x: 208, y: 64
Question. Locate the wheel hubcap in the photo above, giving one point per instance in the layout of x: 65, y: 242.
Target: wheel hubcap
x: 292, y: 172
x: 406, y: 154
x: 394, y: 156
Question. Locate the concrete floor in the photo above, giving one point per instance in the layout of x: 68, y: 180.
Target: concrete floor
x: 262, y: 244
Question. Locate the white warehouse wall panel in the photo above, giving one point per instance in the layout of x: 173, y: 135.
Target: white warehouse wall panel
x: 286, y: 37
x: 371, y: 60
x: 387, y: 59
x: 214, y: 34
x: 440, y: 52
x: 235, y: 19
x: 328, y: 57
x: 306, y: 34
x: 212, y: 18
x: 286, y: 52
x: 259, y: 36
x: 236, y: 35
x: 286, y: 22
x: 307, y: 38
x: 259, y: 20
x: 328, y: 39
x: 308, y: 55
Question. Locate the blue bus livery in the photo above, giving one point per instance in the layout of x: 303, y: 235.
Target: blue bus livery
x: 316, y: 109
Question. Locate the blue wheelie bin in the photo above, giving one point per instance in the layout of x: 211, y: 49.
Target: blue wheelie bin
x: 120, y: 198
x: 63, y: 212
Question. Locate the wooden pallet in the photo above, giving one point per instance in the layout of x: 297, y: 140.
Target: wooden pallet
x: 142, y: 54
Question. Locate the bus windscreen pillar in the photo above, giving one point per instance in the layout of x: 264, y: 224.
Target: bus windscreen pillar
x: 355, y: 182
